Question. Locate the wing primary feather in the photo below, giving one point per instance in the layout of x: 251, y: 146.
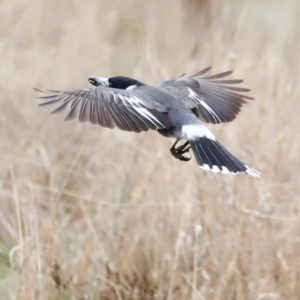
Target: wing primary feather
x: 108, y: 119
x: 201, y: 72
x: 63, y: 108
x: 229, y: 81
x: 140, y: 125
x: 128, y: 119
x: 101, y: 111
x: 143, y: 123
x: 118, y: 117
x: 40, y: 91
x: 53, y: 91
x: 83, y: 115
x: 142, y: 118
x: 101, y: 115
x: 108, y: 108
x: 51, y: 102
x: 233, y: 88
x: 94, y: 113
x: 56, y: 96
x: 226, y: 96
x: 241, y: 96
x: 73, y: 113
x: 136, y: 122
x: 220, y: 75
x: 182, y: 75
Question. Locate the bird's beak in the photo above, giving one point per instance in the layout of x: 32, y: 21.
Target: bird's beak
x: 98, y: 81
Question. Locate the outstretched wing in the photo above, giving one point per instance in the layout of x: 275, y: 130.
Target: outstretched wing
x: 108, y: 108
x: 212, y: 98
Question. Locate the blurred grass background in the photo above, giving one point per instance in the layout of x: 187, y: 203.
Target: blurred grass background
x: 92, y: 213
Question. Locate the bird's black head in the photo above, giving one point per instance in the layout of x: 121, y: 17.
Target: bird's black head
x: 118, y: 82
x: 123, y: 83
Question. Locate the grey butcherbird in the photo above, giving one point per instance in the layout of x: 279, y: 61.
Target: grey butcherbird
x: 175, y: 108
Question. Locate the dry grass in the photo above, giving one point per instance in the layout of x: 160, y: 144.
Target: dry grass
x: 91, y: 213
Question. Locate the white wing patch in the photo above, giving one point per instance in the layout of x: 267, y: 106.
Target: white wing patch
x: 194, y: 96
x: 146, y: 114
x: 135, y: 104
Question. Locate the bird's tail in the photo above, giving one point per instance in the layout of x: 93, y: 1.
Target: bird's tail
x: 211, y: 155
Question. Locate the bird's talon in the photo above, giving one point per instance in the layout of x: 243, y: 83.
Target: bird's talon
x: 185, y: 158
x: 179, y: 151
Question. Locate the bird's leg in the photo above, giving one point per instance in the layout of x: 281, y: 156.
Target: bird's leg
x: 184, y: 148
x: 179, y: 151
x: 173, y: 146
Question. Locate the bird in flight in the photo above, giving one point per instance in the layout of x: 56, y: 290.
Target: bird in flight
x: 175, y: 108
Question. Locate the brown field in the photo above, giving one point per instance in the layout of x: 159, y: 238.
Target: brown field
x: 93, y: 213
